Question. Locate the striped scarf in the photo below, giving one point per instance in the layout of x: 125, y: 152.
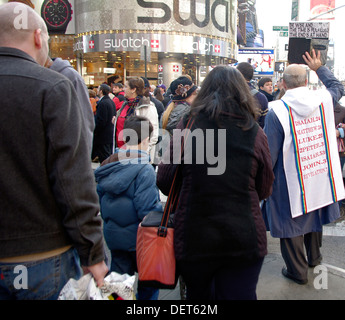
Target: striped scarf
x: 132, y: 103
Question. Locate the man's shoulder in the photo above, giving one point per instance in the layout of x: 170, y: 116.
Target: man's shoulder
x: 31, y: 76
x: 261, y: 98
x: 30, y: 70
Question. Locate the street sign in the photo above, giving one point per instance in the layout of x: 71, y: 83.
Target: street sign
x: 279, y: 67
x: 283, y: 34
x: 280, y: 28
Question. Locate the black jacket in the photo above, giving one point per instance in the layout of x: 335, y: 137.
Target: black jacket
x: 104, y: 129
x: 159, y: 106
x: 48, y: 195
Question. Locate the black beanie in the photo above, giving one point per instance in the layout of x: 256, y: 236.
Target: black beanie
x: 182, y: 88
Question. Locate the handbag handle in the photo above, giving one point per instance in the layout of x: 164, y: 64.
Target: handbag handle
x: 173, y: 195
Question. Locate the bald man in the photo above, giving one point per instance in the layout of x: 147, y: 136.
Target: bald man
x: 308, y: 178
x: 49, y: 205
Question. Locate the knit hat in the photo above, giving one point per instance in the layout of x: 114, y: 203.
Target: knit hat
x: 182, y: 88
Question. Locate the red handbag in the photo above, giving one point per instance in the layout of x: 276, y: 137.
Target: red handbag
x: 155, y: 243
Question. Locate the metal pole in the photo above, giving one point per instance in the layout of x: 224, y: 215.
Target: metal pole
x: 329, y: 11
x: 145, y: 55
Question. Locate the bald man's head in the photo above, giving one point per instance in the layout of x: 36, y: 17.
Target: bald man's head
x: 295, y: 76
x: 22, y: 27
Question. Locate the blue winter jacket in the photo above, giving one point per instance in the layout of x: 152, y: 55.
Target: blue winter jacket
x: 127, y: 193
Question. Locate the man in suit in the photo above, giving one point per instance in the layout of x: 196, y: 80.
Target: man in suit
x: 104, y: 128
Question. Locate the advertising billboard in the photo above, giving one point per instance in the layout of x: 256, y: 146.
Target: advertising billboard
x: 318, y: 7
x: 262, y: 60
x: 213, y: 17
x: 57, y: 14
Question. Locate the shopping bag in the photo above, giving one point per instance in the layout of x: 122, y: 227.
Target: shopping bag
x: 116, y: 287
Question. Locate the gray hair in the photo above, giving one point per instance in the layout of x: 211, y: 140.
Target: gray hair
x: 295, y: 76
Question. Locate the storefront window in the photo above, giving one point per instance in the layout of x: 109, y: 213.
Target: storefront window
x: 61, y: 46
x: 109, y: 67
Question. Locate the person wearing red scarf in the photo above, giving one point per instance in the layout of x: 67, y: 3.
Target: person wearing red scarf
x: 136, y: 104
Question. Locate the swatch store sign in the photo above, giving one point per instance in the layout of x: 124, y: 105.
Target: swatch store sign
x: 196, y: 27
x: 155, y: 43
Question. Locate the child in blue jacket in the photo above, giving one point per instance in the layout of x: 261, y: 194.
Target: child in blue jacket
x: 127, y: 192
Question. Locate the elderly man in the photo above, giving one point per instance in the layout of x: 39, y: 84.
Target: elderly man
x: 49, y: 205
x: 308, y: 180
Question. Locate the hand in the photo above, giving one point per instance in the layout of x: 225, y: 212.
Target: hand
x: 314, y: 61
x: 99, y: 271
x: 337, y: 133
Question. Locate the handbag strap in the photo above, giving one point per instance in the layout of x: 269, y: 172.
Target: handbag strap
x: 173, y: 193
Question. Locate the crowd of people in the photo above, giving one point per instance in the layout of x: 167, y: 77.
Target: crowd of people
x: 280, y: 170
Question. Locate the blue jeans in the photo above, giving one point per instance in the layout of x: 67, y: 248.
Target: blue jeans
x: 38, y: 280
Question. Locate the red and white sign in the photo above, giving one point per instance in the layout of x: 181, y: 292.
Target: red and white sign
x: 176, y: 68
x: 160, y: 68
x: 91, y: 44
x: 217, y: 48
x: 154, y: 44
x: 318, y: 7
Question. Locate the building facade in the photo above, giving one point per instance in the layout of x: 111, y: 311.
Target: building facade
x: 109, y: 40
x: 157, y: 39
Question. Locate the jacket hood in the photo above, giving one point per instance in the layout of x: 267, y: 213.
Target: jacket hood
x: 144, y: 102
x: 59, y: 65
x: 303, y: 101
x: 118, y: 172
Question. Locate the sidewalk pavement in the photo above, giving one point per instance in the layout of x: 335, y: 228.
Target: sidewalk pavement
x: 273, y: 285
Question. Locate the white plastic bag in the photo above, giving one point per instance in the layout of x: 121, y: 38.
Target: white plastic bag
x: 116, y: 287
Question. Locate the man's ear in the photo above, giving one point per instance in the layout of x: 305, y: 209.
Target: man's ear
x: 38, y: 38
x: 284, y: 85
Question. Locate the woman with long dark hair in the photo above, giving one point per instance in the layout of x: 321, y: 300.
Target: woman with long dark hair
x: 220, y: 235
